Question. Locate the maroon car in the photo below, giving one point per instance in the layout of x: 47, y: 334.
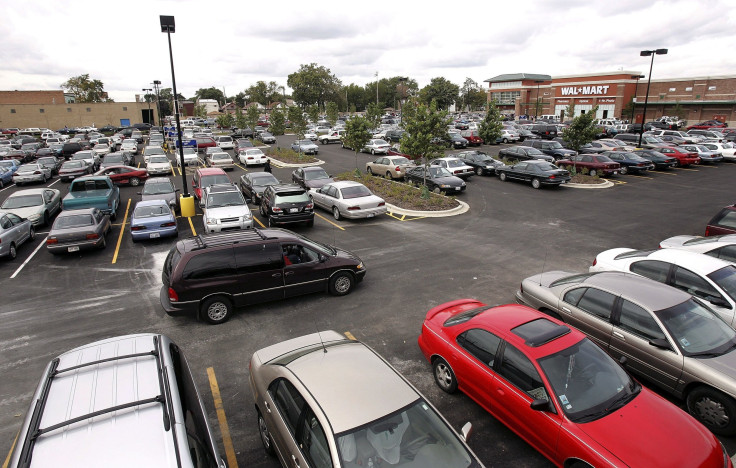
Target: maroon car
x: 707, y: 125
x: 596, y: 164
x: 120, y: 175
x: 205, y: 142
x: 472, y: 137
x: 722, y: 223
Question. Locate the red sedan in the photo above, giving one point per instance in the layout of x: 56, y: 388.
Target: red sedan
x: 558, y: 390
x: 596, y: 164
x: 684, y: 157
x: 124, y: 175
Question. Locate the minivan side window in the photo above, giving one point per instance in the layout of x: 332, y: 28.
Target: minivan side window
x: 257, y: 258
x: 212, y: 264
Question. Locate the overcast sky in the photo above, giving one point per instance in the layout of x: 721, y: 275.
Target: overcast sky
x: 233, y: 44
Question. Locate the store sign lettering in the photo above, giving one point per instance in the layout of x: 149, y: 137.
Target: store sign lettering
x: 584, y: 90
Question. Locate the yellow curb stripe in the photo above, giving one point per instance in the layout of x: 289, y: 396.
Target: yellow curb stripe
x: 227, y: 441
x: 122, y: 231
x: 259, y: 222
x: 191, y: 225
x: 7, y: 459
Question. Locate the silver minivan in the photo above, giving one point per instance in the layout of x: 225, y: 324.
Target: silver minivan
x: 121, y: 402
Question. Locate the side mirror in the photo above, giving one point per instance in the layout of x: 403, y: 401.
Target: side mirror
x: 540, y: 405
x: 623, y: 360
x: 466, y: 431
x: 660, y: 343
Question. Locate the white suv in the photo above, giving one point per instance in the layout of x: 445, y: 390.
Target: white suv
x: 225, y: 209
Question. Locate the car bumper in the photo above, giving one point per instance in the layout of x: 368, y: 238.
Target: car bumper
x: 176, y: 308
x: 26, y: 179
x: 146, y: 234
x: 234, y: 226
x: 160, y: 171
x: 75, y: 246
x: 292, y: 218
x: 450, y: 190
x: 367, y: 213
x: 254, y: 162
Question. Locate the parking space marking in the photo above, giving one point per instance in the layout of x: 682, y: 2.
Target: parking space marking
x: 350, y: 336
x: 686, y: 169
x: 640, y: 176
x: 227, y: 441
x: 191, y: 225
x: 243, y: 168
x: 403, y: 217
x: 29, y: 258
x: 7, y: 459
x: 665, y: 173
x: 5, y: 188
x: 259, y: 222
x: 709, y: 167
x: 52, y: 183
x: 336, y: 225
x: 122, y: 231
x: 617, y: 182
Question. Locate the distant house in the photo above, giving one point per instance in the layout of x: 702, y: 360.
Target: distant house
x: 230, y: 108
x: 210, y: 105
x: 257, y: 105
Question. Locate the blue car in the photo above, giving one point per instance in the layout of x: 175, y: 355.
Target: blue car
x: 629, y: 161
x: 6, y: 177
x: 152, y: 219
x: 10, y: 164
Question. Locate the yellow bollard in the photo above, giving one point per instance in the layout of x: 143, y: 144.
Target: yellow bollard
x: 186, y: 204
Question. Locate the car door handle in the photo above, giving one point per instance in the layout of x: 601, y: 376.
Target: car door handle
x: 276, y: 275
x: 565, y: 309
x: 288, y: 273
x: 268, y: 407
x: 296, y: 463
x: 619, y: 335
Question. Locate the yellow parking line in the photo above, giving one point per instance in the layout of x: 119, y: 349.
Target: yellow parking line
x: 259, y: 222
x: 192, y: 226
x: 336, y: 225
x: 122, y: 231
x: 227, y: 441
x: 243, y: 168
x: 709, y: 167
x: 665, y: 173
x: 640, y: 176
x: 350, y: 336
x: 686, y: 169
x: 7, y: 459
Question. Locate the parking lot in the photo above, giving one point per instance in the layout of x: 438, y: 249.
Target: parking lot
x: 54, y: 303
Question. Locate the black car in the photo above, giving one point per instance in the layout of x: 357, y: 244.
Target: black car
x: 537, y: 172
x: 70, y: 148
x: 552, y: 148
x: 252, y: 184
x: 311, y: 177
x: 242, y: 143
x: 480, y: 161
x: 630, y: 162
x: 52, y: 162
x: 287, y: 204
x: 393, y: 135
x: 660, y: 161
x: 107, y: 129
x: 246, y: 132
x: 438, y: 179
x: 543, y: 130
x: 457, y: 141
x: 140, y: 126
x: 523, y: 153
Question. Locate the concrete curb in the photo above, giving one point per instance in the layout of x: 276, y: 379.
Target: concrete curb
x: 606, y: 184
x: 282, y: 164
x: 464, y: 207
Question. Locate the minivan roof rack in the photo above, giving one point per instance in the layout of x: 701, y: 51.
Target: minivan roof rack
x: 225, y: 238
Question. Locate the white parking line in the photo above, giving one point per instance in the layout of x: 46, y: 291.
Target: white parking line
x: 52, y: 183
x: 3, y: 189
x: 29, y: 258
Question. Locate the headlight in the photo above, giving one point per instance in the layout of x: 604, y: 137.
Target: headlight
x: 444, y: 186
x: 247, y: 217
x: 34, y: 216
x: 360, y: 266
x: 211, y: 221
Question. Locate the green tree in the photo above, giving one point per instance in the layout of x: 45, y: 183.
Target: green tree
x: 472, y: 95
x: 240, y: 120
x: 423, y: 125
x: 251, y: 116
x: 314, y: 84
x: 225, y: 120
x: 313, y: 113
x: 332, y: 113
x: 582, y: 130
x: 210, y: 93
x: 278, y: 122
x: 200, y: 111
x: 263, y: 93
x: 298, y: 123
x: 491, y: 126
x: 85, y: 89
x: 441, y: 91
x: 356, y: 96
x: 357, y: 134
x: 373, y: 113
x: 166, y: 96
x: 240, y: 99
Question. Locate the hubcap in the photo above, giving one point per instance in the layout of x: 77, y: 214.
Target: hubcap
x: 265, y: 436
x: 342, y: 284
x: 443, y: 376
x: 217, y: 311
x: 712, y: 412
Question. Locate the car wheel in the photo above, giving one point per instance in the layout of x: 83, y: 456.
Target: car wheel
x: 437, y: 190
x: 271, y: 223
x: 505, y: 140
x: 216, y: 309
x: 336, y: 213
x: 624, y: 170
x: 713, y: 409
x: 677, y: 163
x: 134, y: 181
x: 389, y: 176
x: 479, y: 171
x: 592, y: 172
x: 12, y: 252
x: 536, y: 183
x: 341, y: 283
x: 373, y: 151
x: 44, y: 178
x: 370, y: 171
x: 103, y: 244
x: 502, y: 176
x: 444, y: 377
x: 113, y: 215
x: 32, y: 233
x: 265, y: 435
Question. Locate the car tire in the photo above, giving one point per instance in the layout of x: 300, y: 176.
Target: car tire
x: 536, y: 183
x: 437, y: 190
x: 389, y: 176
x: 336, y: 213
x: 592, y: 173
x: 32, y: 234
x: 341, y: 283
x: 502, y: 176
x: 216, y: 310
x: 479, y: 171
x: 103, y: 244
x: 713, y: 409
x: 624, y: 170
x: 444, y: 376
x: 44, y: 178
x: 113, y: 215
x: 505, y: 140
x: 265, y: 435
x: 369, y: 171
x: 135, y: 182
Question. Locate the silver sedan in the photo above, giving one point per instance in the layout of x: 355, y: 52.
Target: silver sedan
x: 347, y: 199
x: 76, y: 230
x: 38, y: 205
x: 31, y: 173
x: 14, y: 231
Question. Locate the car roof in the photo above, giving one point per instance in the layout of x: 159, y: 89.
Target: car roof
x: 219, y: 188
x: 697, y: 262
x: 210, y: 171
x: 76, y: 212
x: 313, y: 168
x: 286, y: 187
x: 346, y: 183
x: 646, y: 292
x: 30, y: 191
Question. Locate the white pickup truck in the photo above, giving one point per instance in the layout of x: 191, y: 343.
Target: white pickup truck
x: 334, y: 136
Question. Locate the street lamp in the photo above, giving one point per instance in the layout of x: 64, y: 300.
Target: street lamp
x: 157, y: 85
x: 636, y: 91
x: 647, y: 53
x: 167, y: 26
x: 402, y: 84
x: 376, y: 75
x: 536, y: 104
x: 148, y: 100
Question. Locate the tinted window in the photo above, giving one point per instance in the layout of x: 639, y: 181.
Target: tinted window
x: 255, y: 258
x: 727, y: 219
x: 572, y: 297
x: 520, y: 371
x: 481, y: 344
x: 289, y: 402
x: 653, y: 269
x: 638, y: 321
x: 210, y: 264
x: 597, y: 302
x: 692, y: 283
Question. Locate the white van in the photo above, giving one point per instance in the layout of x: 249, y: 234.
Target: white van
x: 549, y: 117
x: 128, y: 401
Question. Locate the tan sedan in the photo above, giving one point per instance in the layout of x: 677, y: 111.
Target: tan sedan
x: 392, y: 167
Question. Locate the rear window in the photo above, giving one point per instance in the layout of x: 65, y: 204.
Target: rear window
x: 170, y: 263
x: 292, y: 197
x: 64, y: 222
x: 206, y: 181
x: 726, y: 218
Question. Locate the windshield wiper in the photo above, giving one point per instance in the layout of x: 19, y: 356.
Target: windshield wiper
x: 621, y: 402
x: 590, y: 416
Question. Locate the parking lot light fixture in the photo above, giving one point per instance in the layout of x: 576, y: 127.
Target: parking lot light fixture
x: 148, y: 100
x: 647, y: 53
x: 156, y: 86
x: 636, y: 91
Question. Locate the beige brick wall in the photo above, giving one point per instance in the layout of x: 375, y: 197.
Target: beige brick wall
x: 56, y: 116
x: 32, y: 97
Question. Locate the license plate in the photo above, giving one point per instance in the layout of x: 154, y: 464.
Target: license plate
x: 564, y: 181
x: 73, y: 249
x: 457, y: 188
x: 370, y: 215
x: 154, y: 235
x: 293, y: 210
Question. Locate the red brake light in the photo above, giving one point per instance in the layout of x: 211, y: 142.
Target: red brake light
x: 595, y: 260
x: 54, y: 240
x: 169, y: 224
x: 551, y: 177
x: 276, y: 209
x: 353, y: 208
x: 382, y: 204
x: 173, y: 297
x: 397, y: 169
x: 707, y: 231
x: 92, y: 236
x: 310, y: 206
x: 137, y: 228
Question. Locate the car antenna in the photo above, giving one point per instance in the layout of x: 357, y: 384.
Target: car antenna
x: 543, y: 266
x: 321, y: 342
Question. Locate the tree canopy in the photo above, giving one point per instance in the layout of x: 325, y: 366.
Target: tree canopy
x: 357, y: 134
x: 210, y: 93
x: 472, y: 95
x: 264, y: 93
x: 491, y: 126
x: 440, y: 90
x: 86, y: 89
x: 423, y: 124
x: 582, y: 130
x: 331, y: 113
x: 314, y: 84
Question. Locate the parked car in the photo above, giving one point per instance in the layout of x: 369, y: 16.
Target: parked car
x: 551, y: 148
x: 225, y: 142
x: 390, y: 425
x: 31, y: 172
x: 191, y: 157
x: 376, y: 146
x: 73, y: 169
x: 524, y: 153
x: 544, y: 130
x: 220, y: 159
x: 252, y: 157
x: 536, y: 172
x: 225, y: 209
x: 14, y: 231
x: 556, y: 389
x: 286, y: 204
x: 51, y: 162
x: 152, y: 219
x: 11, y: 165
x: 159, y: 165
x: 482, y: 163
x: 711, y: 134
x: 707, y: 125
x: 348, y: 199
x: 705, y: 154
x: 689, y: 139
x: 89, y: 157
x: 683, y: 156
x: 647, y: 141
x: 242, y: 143
x: 660, y: 161
x: 709, y: 279
x: 79, y: 229
x: 204, y: 177
x: 125, y: 175
x: 629, y: 161
x: 252, y: 184
x: 266, y: 137
x: 95, y: 191
x: 596, y: 164
x: 724, y: 222
x: 38, y: 205
x: 101, y: 149
x: 115, y: 159
x: 472, y: 137
x: 204, y: 142
x: 305, y: 146
x: 263, y: 274
x: 160, y: 188
x: 6, y: 176
x: 130, y: 146
x: 660, y: 333
x: 723, y: 246
x: 727, y: 150
x: 455, y: 166
x: 394, y: 135
x: 311, y: 177
x: 438, y: 179
x: 393, y: 167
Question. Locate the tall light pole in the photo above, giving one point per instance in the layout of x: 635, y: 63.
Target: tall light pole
x: 167, y: 26
x: 376, y: 75
x: 536, y: 103
x: 148, y: 100
x: 647, y: 53
x: 636, y: 91
x: 157, y: 85
x: 402, y: 88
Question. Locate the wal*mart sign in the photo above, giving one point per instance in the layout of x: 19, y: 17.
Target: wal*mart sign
x: 584, y: 90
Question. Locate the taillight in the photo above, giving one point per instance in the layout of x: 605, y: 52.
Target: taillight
x: 382, y: 204
x: 707, y: 231
x: 595, y: 260
x: 397, y: 169
x: 137, y: 228
x: 353, y: 208
x: 276, y: 209
x: 54, y: 240
x: 37, y: 172
x: 92, y: 236
x: 551, y: 177
x: 169, y: 224
x: 310, y: 206
x: 173, y: 297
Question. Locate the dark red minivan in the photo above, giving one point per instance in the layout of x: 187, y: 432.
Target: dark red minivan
x: 722, y: 223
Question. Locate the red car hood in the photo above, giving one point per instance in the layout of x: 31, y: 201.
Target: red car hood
x: 650, y: 431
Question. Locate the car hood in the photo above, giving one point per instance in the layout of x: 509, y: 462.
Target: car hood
x: 227, y: 211
x: 167, y: 197
x: 724, y: 364
x: 685, y: 442
x: 25, y: 212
